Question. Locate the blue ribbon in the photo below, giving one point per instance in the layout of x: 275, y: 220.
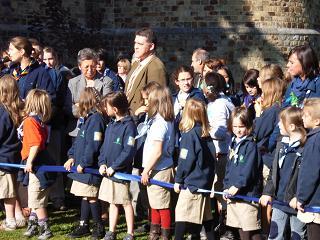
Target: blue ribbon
x: 136, y: 178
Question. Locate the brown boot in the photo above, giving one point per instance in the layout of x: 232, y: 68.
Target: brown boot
x: 154, y: 232
x: 165, y: 234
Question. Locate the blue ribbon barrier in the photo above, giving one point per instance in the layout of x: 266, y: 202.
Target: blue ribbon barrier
x: 136, y: 178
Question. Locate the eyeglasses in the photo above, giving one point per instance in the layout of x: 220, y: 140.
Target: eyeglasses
x: 185, y: 79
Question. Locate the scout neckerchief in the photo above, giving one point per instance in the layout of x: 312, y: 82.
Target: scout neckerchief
x: 144, y: 127
x: 288, y: 147
x: 234, y: 148
x: 178, y: 104
x: 19, y: 73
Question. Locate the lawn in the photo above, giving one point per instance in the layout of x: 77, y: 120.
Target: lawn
x: 62, y: 223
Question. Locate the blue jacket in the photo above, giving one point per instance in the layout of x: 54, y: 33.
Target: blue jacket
x: 196, y: 160
x: 283, y: 177
x: 10, y: 145
x: 85, y: 149
x: 119, y: 147
x: 263, y: 129
x: 298, y: 90
x: 308, y: 190
x: 118, y: 84
x: 38, y: 77
x: 195, y: 93
x: 244, y: 168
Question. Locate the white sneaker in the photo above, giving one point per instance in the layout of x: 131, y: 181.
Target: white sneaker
x: 8, y: 227
x: 21, y: 222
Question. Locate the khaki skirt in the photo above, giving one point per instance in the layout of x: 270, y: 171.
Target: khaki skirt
x: 114, y: 192
x: 193, y: 208
x: 309, y: 217
x: 7, y: 185
x: 84, y: 190
x: 243, y: 215
x: 159, y: 197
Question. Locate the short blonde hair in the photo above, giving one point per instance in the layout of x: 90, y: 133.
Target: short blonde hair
x: 160, y: 101
x: 312, y: 106
x: 194, y: 112
x: 126, y: 64
x: 38, y: 102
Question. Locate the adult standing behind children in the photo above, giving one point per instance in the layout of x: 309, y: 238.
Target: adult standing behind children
x: 148, y: 67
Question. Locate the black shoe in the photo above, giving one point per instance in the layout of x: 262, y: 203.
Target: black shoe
x: 145, y: 228
x: 32, y: 229
x: 81, y: 231
x: 98, y: 231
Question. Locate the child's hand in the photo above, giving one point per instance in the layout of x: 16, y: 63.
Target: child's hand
x: 103, y: 169
x: 68, y: 164
x: 176, y: 187
x: 264, y: 199
x: 142, y: 109
x: 225, y: 196
x: 300, y: 207
x: 233, y: 191
x: 28, y: 167
x: 145, y: 177
x: 79, y: 169
x: 110, y: 171
x: 293, y: 203
x: 258, y: 107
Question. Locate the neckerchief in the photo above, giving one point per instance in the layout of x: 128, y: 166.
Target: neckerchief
x: 19, y: 73
x: 288, y: 147
x: 234, y: 148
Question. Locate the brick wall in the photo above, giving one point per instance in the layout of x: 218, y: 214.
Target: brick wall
x: 247, y: 33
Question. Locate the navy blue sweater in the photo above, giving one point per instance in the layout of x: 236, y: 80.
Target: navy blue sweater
x: 85, y: 149
x: 196, y: 160
x: 308, y: 190
x: 10, y: 145
x: 119, y: 146
x: 244, y: 168
x: 263, y: 129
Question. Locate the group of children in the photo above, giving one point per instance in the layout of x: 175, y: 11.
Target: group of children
x: 219, y: 146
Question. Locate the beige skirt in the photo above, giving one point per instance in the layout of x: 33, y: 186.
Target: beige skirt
x: 309, y: 217
x: 84, y: 190
x: 193, y: 208
x: 114, y: 192
x: 8, y: 185
x: 37, y: 197
x: 243, y: 215
x: 159, y: 197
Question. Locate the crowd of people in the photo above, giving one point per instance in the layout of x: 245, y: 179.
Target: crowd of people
x: 259, y: 141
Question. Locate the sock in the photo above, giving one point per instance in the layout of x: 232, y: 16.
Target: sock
x: 85, y: 211
x: 96, y: 211
x: 19, y: 215
x: 165, y: 216
x: 41, y: 222
x: 33, y: 216
x: 155, y: 216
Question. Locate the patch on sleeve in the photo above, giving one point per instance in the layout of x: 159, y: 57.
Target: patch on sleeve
x: 131, y: 141
x: 183, y: 153
x: 97, y: 136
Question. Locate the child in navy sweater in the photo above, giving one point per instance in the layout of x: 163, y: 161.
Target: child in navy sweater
x: 116, y: 155
x: 282, y: 180
x: 243, y: 176
x: 308, y: 189
x: 9, y: 146
x: 84, y: 154
x: 195, y: 170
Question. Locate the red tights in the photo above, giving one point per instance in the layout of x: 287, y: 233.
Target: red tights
x: 161, y: 217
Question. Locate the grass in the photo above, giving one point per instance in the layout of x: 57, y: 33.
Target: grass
x: 61, y: 223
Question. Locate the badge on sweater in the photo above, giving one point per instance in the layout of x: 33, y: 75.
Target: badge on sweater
x: 241, y: 159
x: 131, y: 141
x: 117, y: 141
x: 97, y: 136
x: 183, y: 153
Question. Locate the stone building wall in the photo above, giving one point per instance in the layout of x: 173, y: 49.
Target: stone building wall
x: 247, y: 33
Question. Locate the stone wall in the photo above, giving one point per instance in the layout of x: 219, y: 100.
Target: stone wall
x: 247, y: 33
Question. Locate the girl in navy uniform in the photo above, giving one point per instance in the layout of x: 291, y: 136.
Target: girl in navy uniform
x: 195, y: 170
x: 117, y: 155
x: 158, y: 161
x: 282, y: 180
x: 84, y: 154
x: 243, y: 176
x: 308, y: 189
x: 250, y: 88
x: 34, y: 135
x: 9, y: 146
